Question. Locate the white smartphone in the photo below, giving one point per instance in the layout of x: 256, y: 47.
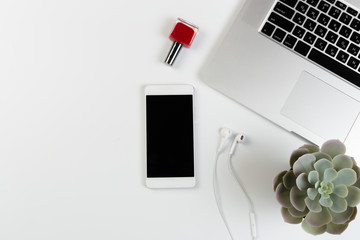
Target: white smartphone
x: 170, y: 151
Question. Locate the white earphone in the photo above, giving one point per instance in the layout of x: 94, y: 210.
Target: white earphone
x: 238, y: 139
x: 225, y: 134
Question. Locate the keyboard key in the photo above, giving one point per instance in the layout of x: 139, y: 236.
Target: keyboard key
x: 353, y: 49
x: 334, y: 66
x: 291, y: 3
x: 324, y: 6
x: 268, y: 29
x: 334, y: 12
x: 342, y: 56
x: 302, y: 48
x: 302, y: 7
x: 312, y: 13
x: 355, y: 37
x: 331, y: 50
x: 290, y: 41
x: 345, y: 18
x: 309, y: 38
x: 323, y: 19
x: 299, y: 19
x: 342, y: 43
x: 334, y: 25
x: 320, y: 44
x: 279, y: 35
x: 352, y: 11
x: 299, y: 32
x: 331, y: 37
x: 340, y: 5
x: 345, y: 31
x: 309, y: 24
x: 281, y: 22
x: 355, y: 24
x: 353, y: 62
x: 313, y: 2
x: 331, y: 1
x: 320, y: 31
x: 284, y: 10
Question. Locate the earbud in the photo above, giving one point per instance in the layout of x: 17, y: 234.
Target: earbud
x: 225, y: 133
x: 238, y: 139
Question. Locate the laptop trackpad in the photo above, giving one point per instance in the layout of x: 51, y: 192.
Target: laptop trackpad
x: 321, y: 108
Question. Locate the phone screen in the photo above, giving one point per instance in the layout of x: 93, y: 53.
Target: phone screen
x: 169, y: 136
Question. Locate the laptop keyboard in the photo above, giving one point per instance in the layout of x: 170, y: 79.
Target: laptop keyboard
x: 326, y: 32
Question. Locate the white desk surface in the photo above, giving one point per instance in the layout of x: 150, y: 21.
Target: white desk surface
x: 72, y: 126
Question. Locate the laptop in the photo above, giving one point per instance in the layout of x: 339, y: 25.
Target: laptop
x: 296, y: 63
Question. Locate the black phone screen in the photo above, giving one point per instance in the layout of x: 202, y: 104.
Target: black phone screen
x: 169, y: 136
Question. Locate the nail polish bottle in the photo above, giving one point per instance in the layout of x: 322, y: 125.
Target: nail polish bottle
x: 183, y: 34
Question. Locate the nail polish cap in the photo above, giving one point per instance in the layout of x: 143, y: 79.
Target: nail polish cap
x: 183, y: 34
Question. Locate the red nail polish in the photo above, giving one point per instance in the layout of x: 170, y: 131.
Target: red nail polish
x: 183, y: 34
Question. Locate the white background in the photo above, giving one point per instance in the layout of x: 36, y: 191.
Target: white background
x: 72, y: 75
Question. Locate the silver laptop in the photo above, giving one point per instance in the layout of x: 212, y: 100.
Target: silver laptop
x: 295, y: 62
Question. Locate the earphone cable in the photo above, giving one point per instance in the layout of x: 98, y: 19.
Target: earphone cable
x: 252, y: 216
x: 216, y: 194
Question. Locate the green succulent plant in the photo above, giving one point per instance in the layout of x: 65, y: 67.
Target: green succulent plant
x: 321, y: 189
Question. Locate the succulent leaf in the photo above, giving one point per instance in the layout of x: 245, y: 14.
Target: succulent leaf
x: 313, y: 177
x: 311, y: 148
x: 330, y: 174
x: 321, y: 155
x: 289, y: 179
x: 357, y: 184
x: 296, y: 213
x: 278, y: 179
x: 283, y: 195
x: 346, y: 176
x: 318, y: 219
x: 339, y: 204
x: 302, y: 182
x: 341, y: 190
x: 353, y: 215
x: 342, y: 161
x: 297, y: 199
x: 289, y: 218
x: 354, y: 162
x: 313, y: 230
x: 357, y: 170
x: 296, y: 154
x: 312, y: 193
x: 321, y: 165
x: 313, y: 205
x: 342, y: 218
x: 336, y: 228
x: 333, y: 148
x: 325, y: 201
x: 353, y: 198
x: 304, y: 164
